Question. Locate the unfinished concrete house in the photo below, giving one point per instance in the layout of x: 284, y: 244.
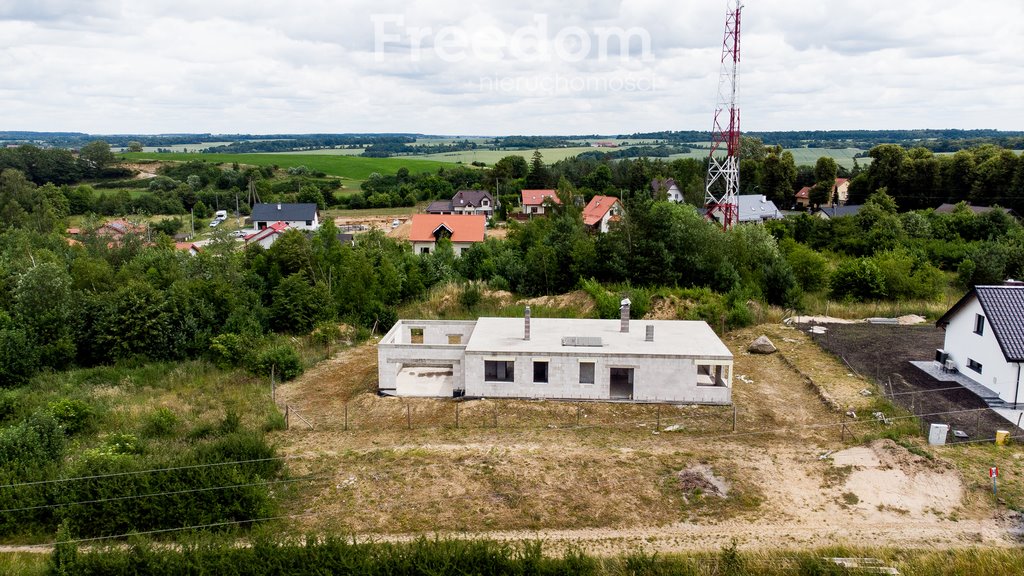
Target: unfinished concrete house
x: 558, y: 358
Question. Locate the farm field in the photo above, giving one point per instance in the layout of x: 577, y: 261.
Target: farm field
x: 489, y: 157
x: 354, y: 168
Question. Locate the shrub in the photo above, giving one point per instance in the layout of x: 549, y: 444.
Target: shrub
x: 73, y: 415
x: 283, y: 359
x: 858, y: 280
x: 119, y: 443
x: 35, y: 441
x: 229, y: 350
x: 160, y: 423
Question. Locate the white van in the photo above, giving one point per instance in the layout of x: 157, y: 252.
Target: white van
x: 220, y: 215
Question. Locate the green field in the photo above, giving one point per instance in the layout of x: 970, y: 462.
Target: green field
x: 489, y: 157
x: 355, y: 168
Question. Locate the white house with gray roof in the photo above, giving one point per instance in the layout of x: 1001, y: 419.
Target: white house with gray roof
x: 558, y: 358
x: 301, y: 216
x: 985, y: 339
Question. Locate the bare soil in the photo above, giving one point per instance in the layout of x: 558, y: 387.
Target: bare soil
x: 609, y: 478
x: 883, y: 354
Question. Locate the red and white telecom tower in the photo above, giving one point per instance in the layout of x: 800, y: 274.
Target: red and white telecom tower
x: 723, y: 179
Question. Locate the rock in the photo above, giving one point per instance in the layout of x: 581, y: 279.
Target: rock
x: 762, y: 346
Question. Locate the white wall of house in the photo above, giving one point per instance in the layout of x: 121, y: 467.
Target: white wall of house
x: 428, y: 247
x: 300, y: 224
x: 607, y: 218
x: 964, y: 345
x: 654, y: 379
x: 674, y: 195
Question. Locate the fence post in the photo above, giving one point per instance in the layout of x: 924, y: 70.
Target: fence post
x: 577, y: 415
x: 659, y: 416
x: 346, y: 416
x: 456, y: 415
x: 734, y: 417
x: 287, y: 424
x: 408, y: 417
x: 495, y: 415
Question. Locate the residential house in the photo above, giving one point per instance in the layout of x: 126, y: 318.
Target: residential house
x: 756, y: 208
x: 803, y: 197
x: 602, y: 211
x: 300, y: 216
x: 840, y: 192
x: 830, y: 212
x: 559, y: 358
x: 463, y: 230
x: 978, y: 210
x: 115, y: 230
x: 466, y: 202
x: 191, y: 248
x: 985, y: 338
x: 267, y: 235
x: 668, y: 187
x: 533, y: 201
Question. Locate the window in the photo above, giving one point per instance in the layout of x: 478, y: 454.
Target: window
x: 416, y: 335
x: 540, y: 371
x: 309, y: 222
x: 974, y: 365
x: 586, y: 372
x: 499, y: 370
x: 425, y: 250
x: 979, y: 324
x: 455, y: 338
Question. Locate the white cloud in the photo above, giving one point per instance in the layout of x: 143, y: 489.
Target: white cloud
x: 310, y: 65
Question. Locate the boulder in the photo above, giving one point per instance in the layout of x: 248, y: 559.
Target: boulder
x: 762, y: 346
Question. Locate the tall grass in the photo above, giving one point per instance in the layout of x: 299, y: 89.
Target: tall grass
x: 422, y: 556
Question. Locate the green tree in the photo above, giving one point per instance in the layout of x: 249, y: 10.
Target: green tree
x: 296, y: 307
x: 539, y: 177
x: 779, y: 176
x: 96, y: 155
x: 134, y: 146
x: 824, y: 181
x: 44, y: 307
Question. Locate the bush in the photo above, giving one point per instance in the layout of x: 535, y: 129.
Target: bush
x: 859, y: 280
x: 33, y: 442
x: 74, y: 416
x: 283, y: 359
x: 229, y: 350
x: 160, y: 424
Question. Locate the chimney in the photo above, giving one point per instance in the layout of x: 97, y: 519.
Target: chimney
x: 650, y: 333
x: 1012, y: 282
x: 278, y: 205
x: 624, y: 315
x: 526, y: 324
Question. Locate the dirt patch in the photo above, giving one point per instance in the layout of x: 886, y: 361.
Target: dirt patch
x: 577, y: 300
x: 700, y: 480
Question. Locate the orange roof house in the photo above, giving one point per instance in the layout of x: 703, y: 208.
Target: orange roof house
x: 463, y: 230
x: 600, y: 211
x: 533, y: 200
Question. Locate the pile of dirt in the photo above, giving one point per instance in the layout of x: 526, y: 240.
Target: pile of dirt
x: 910, y: 320
x: 700, y: 480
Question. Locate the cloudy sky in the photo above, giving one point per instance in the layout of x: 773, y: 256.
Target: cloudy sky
x: 504, y: 67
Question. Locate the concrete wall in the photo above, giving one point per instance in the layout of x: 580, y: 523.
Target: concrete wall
x: 396, y: 349
x: 660, y: 379
x: 963, y: 344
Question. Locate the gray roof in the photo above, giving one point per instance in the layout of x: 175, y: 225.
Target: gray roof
x: 471, y: 198
x: 755, y: 208
x: 949, y: 208
x: 840, y: 211
x: 1004, y: 308
x: 439, y: 207
x: 283, y: 212
x: 672, y: 338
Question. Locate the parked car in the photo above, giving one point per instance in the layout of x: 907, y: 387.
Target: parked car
x: 396, y: 223
x: 215, y: 223
x: 239, y: 233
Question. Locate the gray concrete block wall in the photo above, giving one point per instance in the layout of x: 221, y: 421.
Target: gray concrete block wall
x: 655, y: 379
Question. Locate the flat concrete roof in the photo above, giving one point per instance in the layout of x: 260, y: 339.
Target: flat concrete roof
x: 681, y: 338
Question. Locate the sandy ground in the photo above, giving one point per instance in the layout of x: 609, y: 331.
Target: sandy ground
x: 612, y: 483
